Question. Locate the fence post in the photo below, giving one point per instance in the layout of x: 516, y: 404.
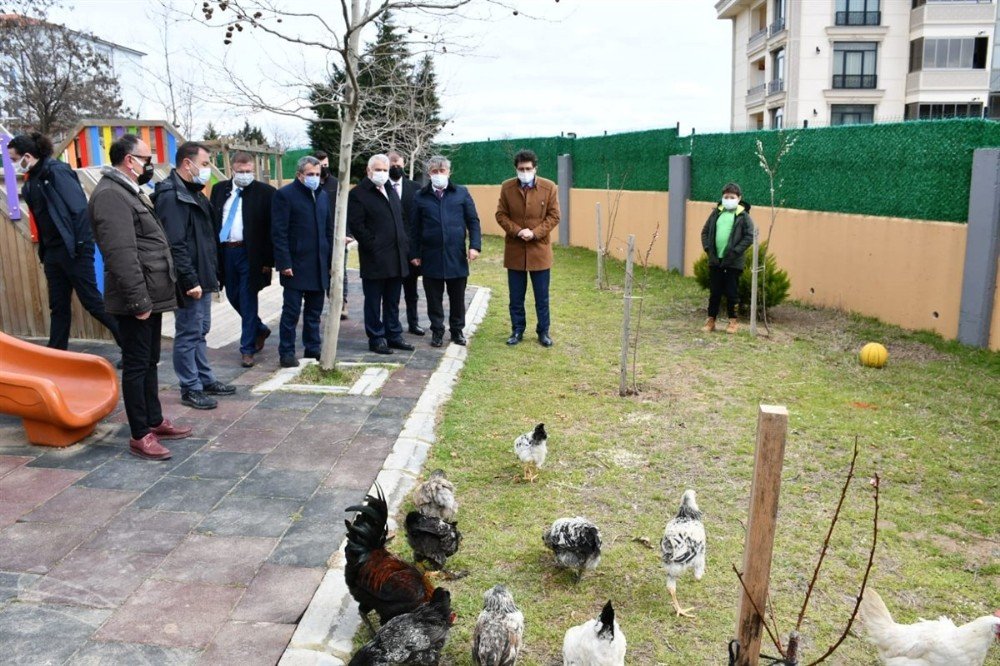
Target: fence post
x: 680, y: 192
x: 564, y: 174
x: 982, y: 247
x: 627, y: 314
x: 769, y: 456
x: 600, y: 246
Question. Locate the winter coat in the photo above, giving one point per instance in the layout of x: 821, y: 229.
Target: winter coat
x: 302, y: 233
x: 440, y: 228
x: 138, y: 265
x: 189, y: 221
x: 376, y: 222
x: 57, y: 185
x: 739, y: 240
x: 535, y: 208
x: 256, y: 212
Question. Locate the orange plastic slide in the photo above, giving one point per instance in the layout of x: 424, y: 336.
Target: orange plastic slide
x: 59, y: 395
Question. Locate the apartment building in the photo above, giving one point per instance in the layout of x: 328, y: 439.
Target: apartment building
x: 836, y: 62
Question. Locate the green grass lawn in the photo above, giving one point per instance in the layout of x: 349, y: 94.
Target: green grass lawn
x: 929, y: 424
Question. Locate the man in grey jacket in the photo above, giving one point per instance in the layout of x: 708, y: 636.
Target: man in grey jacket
x: 139, y: 286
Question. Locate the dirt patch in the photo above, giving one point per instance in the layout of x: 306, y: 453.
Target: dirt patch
x: 977, y: 551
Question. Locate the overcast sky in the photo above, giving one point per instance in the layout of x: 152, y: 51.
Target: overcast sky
x: 584, y: 66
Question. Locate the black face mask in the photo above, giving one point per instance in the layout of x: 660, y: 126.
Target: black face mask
x: 324, y: 172
x: 147, y: 174
x: 395, y: 172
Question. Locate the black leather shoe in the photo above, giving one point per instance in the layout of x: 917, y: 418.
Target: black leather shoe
x: 314, y: 355
x: 198, y: 400
x: 437, y: 339
x: 459, y: 339
x: 218, y: 388
x: 417, y: 330
x: 379, y: 347
x: 289, y: 362
x: 515, y: 338
x: 400, y: 344
x: 544, y: 340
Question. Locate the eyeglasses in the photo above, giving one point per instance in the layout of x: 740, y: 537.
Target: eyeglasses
x: 146, y: 159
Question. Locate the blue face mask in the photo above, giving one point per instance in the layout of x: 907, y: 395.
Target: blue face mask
x: 312, y: 182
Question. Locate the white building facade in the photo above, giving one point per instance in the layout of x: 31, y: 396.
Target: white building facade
x: 798, y: 63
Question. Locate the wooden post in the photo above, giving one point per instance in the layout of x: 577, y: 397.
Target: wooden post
x: 772, y: 426
x: 600, y: 249
x: 627, y: 316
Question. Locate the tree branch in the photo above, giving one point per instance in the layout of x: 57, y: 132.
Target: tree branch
x: 763, y: 619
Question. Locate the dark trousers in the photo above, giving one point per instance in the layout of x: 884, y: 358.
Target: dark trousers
x: 64, y: 275
x: 412, y: 296
x: 434, y: 289
x: 517, y: 285
x: 191, y: 326
x: 242, y: 294
x: 140, y: 340
x: 382, y: 308
x: 312, y: 339
x: 723, y: 281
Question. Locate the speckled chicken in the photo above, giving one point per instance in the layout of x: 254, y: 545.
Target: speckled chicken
x: 531, y: 449
x: 436, y: 497
x: 499, y: 629
x: 683, y: 547
x: 576, y: 543
x: 433, y: 540
x: 411, y: 639
x: 598, y: 642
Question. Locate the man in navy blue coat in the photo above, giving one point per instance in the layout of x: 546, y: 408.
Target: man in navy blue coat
x: 444, y: 217
x: 303, y: 245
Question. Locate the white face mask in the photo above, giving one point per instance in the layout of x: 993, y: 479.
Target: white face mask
x: 242, y: 179
x: 439, y: 180
x: 526, y: 176
x: 379, y: 177
x: 22, y: 166
x: 730, y: 204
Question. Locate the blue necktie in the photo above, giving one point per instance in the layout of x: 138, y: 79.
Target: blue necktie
x: 227, y: 227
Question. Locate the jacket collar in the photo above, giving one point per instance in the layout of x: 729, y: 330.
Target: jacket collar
x: 429, y: 187
x: 120, y: 178
x: 180, y: 187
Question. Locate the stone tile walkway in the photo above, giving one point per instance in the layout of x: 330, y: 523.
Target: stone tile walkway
x: 212, y: 556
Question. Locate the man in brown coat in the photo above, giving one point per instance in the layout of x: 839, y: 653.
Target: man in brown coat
x: 139, y: 286
x: 528, y: 211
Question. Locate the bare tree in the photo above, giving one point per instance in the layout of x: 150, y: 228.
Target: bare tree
x: 178, y: 96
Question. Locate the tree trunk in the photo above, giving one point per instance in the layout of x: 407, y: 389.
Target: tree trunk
x: 753, y: 284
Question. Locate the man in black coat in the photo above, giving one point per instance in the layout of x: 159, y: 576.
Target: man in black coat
x: 328, y: 183
x: 375, y: 220
x: 405, y: 190
x: 189, y: 222
x: 242, y: 209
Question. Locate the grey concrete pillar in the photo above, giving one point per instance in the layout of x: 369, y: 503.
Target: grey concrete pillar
x: 564, y: 177
x: 982, y: 247
x: 680, y: 192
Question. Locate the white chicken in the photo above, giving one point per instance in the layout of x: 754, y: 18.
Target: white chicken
x: 927, y: 642
x: 435, y: 497
x: 598, y: 642
x: 531, y: 449
x: 683, y: 547
x: 576, y: 543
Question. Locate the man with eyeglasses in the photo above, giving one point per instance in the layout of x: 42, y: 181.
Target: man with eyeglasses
x: 139, y: 286
x: 528, y: 212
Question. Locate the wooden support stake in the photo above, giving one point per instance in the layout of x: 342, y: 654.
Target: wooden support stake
x: 772, y: 426
x: 600, y: 249
x: 627, y: 315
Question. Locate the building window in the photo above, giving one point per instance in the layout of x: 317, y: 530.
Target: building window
x: 777, y: 71
x: 780, y: 16
x: 921, y: 3
x: 854, y: 64
x: 858, y: 12
x: 777, y: 118
x: 852, y: 114
x: 917, y: 111
x: 948, y: 53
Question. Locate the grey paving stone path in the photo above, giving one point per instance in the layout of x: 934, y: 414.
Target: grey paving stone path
x: 212, y: 556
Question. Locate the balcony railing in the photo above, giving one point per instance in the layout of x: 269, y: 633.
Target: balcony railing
x: 757, y: 38
x: 776, y: 86
x: 777, y: 26
x: 855, y: 80
x: 756, y: 92
x: 858, y: 18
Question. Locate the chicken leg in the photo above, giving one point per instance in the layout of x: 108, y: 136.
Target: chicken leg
x: 681, y: 612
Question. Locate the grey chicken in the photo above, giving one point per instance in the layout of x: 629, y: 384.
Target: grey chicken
x: 413, y: 639
x: 531, y: 449
x: 499, y: 629
x: 683, y: 546
x: 436, y: 497
x: 432, y: 540
x: 576, y: 543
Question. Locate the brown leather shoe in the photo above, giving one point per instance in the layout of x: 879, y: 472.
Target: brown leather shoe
x: 247, y: 360
x: 148, y: 447
x: 168, y: 430
x: 258, y: 342
x: 732, y: 327
x: 709, y: 325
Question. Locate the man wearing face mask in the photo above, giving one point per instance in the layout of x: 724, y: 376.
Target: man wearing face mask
x: 65, y: 241
x: 242, y: 207
x: 405, y: 190
x: 375, y: 219
x: 188, y: 219
x: 328, y: 182
x: 727, y: 234
x: 303, y: 246
x: 528, y: 212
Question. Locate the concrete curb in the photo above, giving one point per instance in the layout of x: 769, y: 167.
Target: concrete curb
x: 325, y: 634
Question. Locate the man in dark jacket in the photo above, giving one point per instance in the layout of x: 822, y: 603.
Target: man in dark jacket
x: 727, y: 234
x: 242, y: 209
x: 444, y: 219
x: 375, y: 219
x: 303, y: 247
x: 405, y: 190
x: 65, y: 241
x: 139, y: 286
x: 188, y: 219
